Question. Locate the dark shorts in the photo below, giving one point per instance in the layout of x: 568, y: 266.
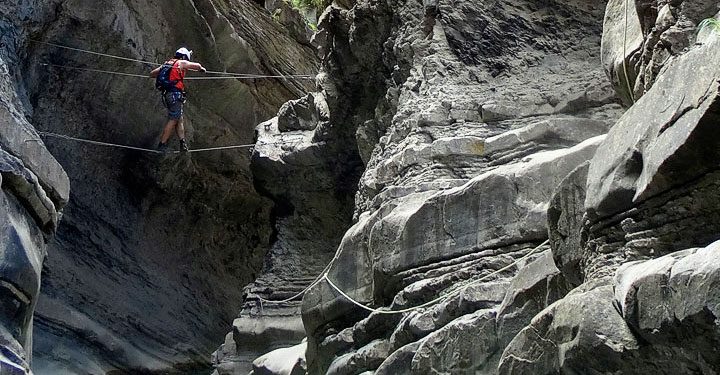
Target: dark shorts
x: 174, y: 103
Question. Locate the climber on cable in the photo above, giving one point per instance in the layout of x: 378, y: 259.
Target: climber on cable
x: 169, y: 80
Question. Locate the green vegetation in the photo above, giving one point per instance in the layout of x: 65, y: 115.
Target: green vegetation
x: 712, y: 23
x: 309, y: 9
x: 307, y: 5
x: 707, y: 28
x: 276, y: 15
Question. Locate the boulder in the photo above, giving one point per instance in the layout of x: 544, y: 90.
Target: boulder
x: 399, y: 361
x: 581, y: 333
x: 622, y: 39
x: 672, y: 303
x: 535, y: 287
x: 462, y: 346
x: 643, y: 156
x: 302, y: 114
x: 565, y: 224
x: 285, y: 361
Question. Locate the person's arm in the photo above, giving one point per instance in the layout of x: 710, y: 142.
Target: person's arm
x: 155, y: 72
x: 191, y: 66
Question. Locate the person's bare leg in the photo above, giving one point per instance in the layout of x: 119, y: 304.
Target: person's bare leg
x: 168, y: 131
x: 180, y: 128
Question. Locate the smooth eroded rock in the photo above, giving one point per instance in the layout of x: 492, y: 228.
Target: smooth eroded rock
x: 646, y: 155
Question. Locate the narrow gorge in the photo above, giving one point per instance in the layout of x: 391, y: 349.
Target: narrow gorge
x: 374, y: 187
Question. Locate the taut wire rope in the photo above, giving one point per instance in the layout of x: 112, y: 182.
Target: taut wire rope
x: 89, y: 141
x: 226, y: 75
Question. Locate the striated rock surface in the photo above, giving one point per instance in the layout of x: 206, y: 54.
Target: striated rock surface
x: 34, y: 189
x: 151, y: 255
x: 640, y: 235
x: 474, y: 157
x: 463, y: 146
x: 460, y: 190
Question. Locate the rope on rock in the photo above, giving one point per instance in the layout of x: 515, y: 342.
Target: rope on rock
x: 98, y: 143
x: 225, y: 75
x: 317, y: 280
x: 438, y: 299
x: 627, y: 77
x: 324, y: 277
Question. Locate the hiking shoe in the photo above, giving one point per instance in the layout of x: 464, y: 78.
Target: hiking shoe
x: 184, y: 146
x: 162, y: 148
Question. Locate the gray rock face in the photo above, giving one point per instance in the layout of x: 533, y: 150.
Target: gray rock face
x: 25, y: 211
x: 647, y: 35
x: 560, y: 339
x: 565, y: 224
x: 33, y: 190
x: 642, y: 158
x: 462, y: 156
x: 292, y: 19
x: 446, y: 350
x: 621, y: 42
x: 641, y: 245
x: 450, y: 164
x: 476, y: 151
x: 152, y: 253
x: 662, y: 313
x: 290, y: 165
x: 671, y: 302
x: 536, y: 286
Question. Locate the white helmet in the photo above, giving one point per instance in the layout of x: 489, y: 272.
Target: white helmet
x: 183, y: 53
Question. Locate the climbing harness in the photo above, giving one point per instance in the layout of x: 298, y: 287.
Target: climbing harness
x: 222, y: 75
x: 98, y: 143
x: 456, y: 290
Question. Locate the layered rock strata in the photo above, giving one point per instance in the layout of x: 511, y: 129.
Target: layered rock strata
x: 641, y: 222
x: 34, y: 188
x: 464, y: 139
x: 149, y: 261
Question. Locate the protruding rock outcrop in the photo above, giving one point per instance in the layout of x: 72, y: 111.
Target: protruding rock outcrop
x: 455, y: 192
x: 34, y: 188
x: 635, y: 235
x: 461, y: 163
